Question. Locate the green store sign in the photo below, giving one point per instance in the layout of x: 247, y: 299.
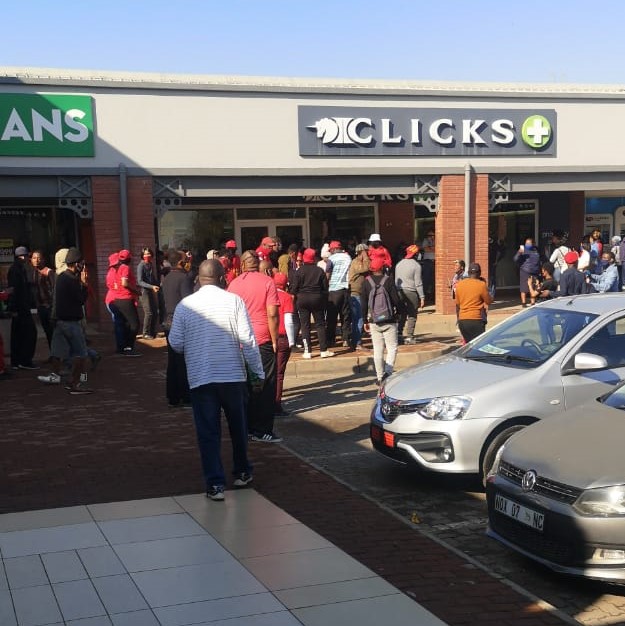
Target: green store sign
x: 52, y: 125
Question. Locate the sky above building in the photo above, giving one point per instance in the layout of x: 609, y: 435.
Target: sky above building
x: 536, y: 41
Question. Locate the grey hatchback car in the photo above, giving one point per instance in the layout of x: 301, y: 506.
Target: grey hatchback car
x: 453, y: 413
x: 556, y: 491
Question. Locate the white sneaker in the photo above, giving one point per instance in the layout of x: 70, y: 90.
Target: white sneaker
x: 326, y: 354
x: 307, y: 355
x: 50, y: 379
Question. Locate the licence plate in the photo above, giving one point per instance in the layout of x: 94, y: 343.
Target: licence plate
x: 520, y: 513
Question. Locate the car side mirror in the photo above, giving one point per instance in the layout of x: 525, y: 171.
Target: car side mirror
x: 585, y: 362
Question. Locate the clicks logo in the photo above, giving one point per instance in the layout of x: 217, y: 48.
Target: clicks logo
x: 536, y: 132
x: 342, y: 130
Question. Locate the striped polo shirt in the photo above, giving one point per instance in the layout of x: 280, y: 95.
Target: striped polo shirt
x: 212, y: 329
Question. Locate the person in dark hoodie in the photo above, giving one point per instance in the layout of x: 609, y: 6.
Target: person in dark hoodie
x: 70, y: 295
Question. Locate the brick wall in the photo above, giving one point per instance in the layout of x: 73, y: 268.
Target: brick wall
x: 450, y: 232
x: 396, y: 221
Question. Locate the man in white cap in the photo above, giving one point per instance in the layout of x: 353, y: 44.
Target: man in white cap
x: 21, y: 303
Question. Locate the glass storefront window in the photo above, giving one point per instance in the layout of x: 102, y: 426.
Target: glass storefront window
x: 349, y: 224
x: 196, y: 230
x: 42, y: 228
x: 272, y: 213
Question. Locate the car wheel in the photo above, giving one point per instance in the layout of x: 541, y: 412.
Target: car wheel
x: 492, y: 447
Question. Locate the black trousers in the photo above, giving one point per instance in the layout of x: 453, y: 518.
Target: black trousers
x: 23, y: 339
x: 312, y: 304
x: 128, y: 310
x: 470, y: 329
x: 262, y: 405
x: 339, y: 306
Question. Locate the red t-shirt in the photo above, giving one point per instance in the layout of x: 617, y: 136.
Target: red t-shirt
x: 232, y: 265
x: 111, y: 285
x: 286, y: 306
x: 258, y: 292
x: 125, y: 293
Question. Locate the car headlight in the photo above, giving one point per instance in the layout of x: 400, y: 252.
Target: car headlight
x: 446, y: 408
x: 602, y: 502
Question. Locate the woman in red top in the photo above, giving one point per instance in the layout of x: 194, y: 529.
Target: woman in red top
x: 126, y: 303
x: 119, y: 325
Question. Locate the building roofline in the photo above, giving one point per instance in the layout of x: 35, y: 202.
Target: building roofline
x: 268, y: 84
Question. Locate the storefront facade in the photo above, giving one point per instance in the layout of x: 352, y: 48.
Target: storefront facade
x: 106, y: 161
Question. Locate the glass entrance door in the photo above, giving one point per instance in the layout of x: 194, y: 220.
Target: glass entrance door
x: 250, y: 232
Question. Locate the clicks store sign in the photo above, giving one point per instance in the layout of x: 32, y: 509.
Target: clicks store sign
x: 53, y: 125
x: 409, y: 131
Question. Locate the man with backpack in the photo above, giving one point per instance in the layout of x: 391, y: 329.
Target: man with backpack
x: 380, y: 307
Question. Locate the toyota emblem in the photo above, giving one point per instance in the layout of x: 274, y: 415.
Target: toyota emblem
x: 386, y: 409
x: 529, y: 480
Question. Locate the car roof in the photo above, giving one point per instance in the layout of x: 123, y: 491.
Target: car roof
x: 597, y: 303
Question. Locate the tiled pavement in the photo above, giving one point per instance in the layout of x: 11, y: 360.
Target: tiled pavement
x: 123, y: 443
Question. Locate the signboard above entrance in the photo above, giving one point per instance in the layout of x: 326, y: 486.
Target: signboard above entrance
x: 415, y: 131
x: 49, y: 125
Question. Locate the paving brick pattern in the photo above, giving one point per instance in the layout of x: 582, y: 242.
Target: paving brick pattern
x: 123, y: 442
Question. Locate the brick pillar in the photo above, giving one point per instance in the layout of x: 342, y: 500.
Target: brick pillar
x: 396, y: 220
x: 107, y: 226
x: 450, y: 232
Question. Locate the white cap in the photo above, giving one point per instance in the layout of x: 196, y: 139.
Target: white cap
x: 21, y: 251
x: 375, y: 237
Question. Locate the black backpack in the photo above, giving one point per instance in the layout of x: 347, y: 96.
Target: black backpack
x: 380, y: 305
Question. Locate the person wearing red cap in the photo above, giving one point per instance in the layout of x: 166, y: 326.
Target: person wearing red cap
x: 409, y: 283
x: 286, y: 337
x: 126, y: 302
x: 310, y: 288
x: 231, y: 261
x: 572, y: 281
x: 337, y: 271
x: 112, y: 285
x: 265, y: 249
x: 380, y: 288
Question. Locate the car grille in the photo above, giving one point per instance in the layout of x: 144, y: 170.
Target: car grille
x: 390, y: 408
x: 544, y: 486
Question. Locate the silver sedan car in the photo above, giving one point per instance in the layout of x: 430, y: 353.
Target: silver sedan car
x: 453, y: 413
x: 556, y: 491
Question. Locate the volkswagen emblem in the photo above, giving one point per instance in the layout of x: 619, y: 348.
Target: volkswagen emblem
x: 529, y: 480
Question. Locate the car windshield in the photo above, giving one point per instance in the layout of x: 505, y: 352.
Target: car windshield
x: 529, y: 339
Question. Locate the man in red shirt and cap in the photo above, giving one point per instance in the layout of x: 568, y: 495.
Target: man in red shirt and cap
x: 265, y: 249
x: 230, y: 261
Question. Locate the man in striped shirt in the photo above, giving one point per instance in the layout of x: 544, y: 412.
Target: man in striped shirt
x: 212, y: 329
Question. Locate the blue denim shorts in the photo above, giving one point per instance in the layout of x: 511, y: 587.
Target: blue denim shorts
x: 68, y: 339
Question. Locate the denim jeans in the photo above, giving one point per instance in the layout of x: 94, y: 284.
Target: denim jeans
x: 207, y: 402
x: 357, y: 322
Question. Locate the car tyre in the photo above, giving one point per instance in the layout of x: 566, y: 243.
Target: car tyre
x: 492, y: 447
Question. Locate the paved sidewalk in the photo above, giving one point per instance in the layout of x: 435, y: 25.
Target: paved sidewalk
x: 123, y: 444
x: 186, y: 560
